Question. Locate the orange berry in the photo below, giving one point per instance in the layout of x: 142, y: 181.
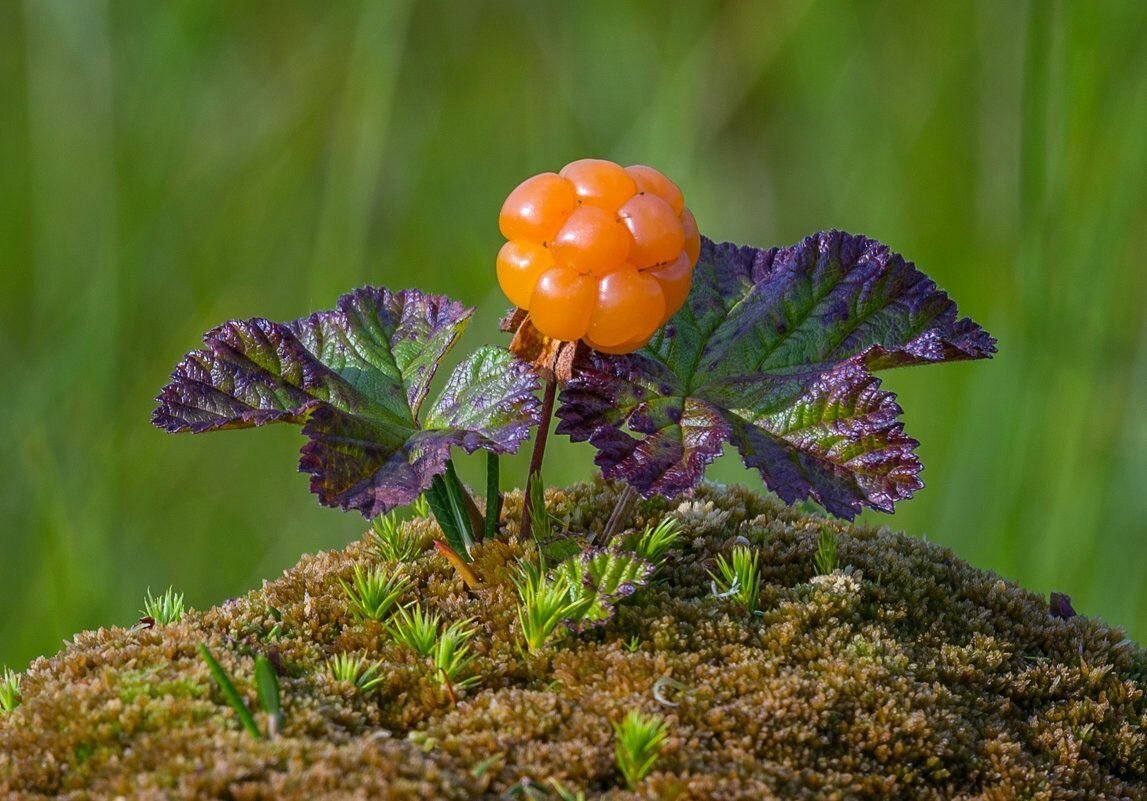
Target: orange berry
x: 591, y: 241
x: 674, y: 279
x: 654, y: 182
x: 629, y: 307
x: 600, y: 183
x: 658, y: 235
x: 628, y: 346
x: 519, y: 265
x: 692, y: 237
x: 562, y: 303
x: 537, y: 208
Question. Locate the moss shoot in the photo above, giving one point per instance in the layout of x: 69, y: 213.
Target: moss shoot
x: 902, y: 673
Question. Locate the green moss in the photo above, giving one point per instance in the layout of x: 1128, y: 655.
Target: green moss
x: 151, y: 683
x: 907, y: 674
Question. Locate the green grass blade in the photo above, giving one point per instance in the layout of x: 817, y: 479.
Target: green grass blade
x: 267, y: 684
x: 230, y: 693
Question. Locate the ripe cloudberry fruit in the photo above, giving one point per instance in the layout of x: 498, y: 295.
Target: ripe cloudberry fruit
x: 591, y: 241
x: 599, y: 183
x: 652, y: 182
x: 536, y: 209
x: 598, y: 252
x: 520, y: 264
x: 562, y: 303
x: 629, y: 304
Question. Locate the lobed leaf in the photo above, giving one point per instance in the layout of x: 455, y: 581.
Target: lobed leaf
x: 599, y: 578
x: 356, y: 378
x: 774, y: 352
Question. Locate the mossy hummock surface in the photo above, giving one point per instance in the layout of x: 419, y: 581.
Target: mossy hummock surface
x: 906, y: 673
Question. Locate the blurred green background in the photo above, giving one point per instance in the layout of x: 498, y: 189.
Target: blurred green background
x: 167, y: 166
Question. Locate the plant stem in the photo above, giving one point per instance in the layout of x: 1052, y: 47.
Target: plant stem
x: 493, y: 494
x: 539, y: 452
x: 620, y: 514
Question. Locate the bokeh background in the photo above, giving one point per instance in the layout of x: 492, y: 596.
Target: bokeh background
x: 167, y: 166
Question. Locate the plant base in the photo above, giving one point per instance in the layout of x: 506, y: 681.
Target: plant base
x: 904, y: 674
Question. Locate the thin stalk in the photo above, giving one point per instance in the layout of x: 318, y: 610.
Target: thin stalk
x: 493, y: 494
x: 620, y: 515
x: 539, y: 453
x: 448, y: 686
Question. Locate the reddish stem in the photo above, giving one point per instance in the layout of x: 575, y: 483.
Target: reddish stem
x: 449, y: 687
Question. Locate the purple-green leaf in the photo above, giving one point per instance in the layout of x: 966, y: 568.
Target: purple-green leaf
x: 356, y: 378
x: 773, y: 352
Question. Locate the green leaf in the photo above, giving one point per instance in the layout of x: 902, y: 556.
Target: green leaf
x: 445, y: 498
x: 773, y: 352
x: 600, y: 578
x: 356, y: 379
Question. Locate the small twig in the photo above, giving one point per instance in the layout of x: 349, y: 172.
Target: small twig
x: 448, y: 686
x: 620, y: 515
x: 539, y: 453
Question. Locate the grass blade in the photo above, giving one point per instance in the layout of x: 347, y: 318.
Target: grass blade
x: 230, y: 693
x: 267, y: 684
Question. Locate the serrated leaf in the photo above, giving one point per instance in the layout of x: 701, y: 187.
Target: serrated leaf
x: 356, y: 378
x: 600, y: 578
x: 773, y: 352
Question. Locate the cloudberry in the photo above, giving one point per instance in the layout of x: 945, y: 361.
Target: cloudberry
x: 599, y: 183
x: 562, y: 303
x: 598, y: 252
x: 536, y: 209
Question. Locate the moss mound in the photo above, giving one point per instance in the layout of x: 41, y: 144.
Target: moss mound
x: 905, y: 674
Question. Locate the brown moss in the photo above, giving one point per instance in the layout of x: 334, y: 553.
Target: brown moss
x: 906, y: 674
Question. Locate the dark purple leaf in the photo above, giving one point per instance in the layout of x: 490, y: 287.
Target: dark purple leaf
x: 356, y: 379
x: 773, y: 352
x: 1060, y: 606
